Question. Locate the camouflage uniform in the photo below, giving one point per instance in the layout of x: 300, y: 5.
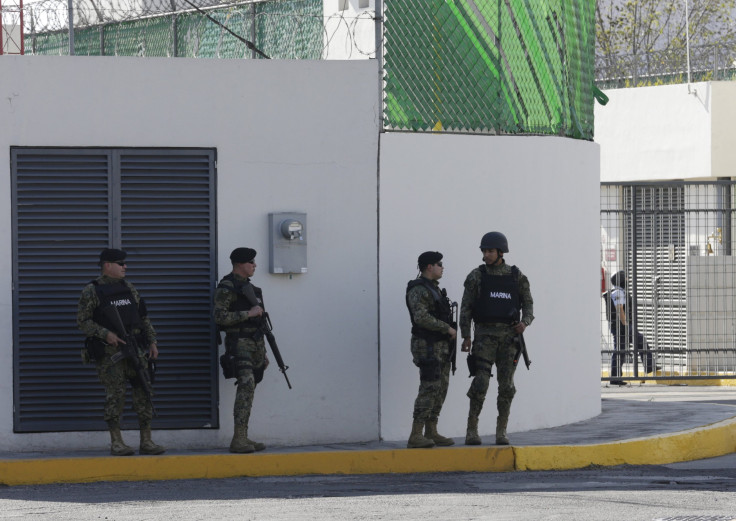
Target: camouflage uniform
x: 494, y: 342
x: 113, y: 376
x: 432, y: 393
x: 249, y: 347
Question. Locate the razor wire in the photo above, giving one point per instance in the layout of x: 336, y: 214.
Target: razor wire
x: 474, y: 66
x: 707, y: 63
x: 282, y: 29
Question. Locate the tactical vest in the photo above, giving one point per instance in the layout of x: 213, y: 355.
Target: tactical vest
x: 440, y: 311
x: 498, y: 299
x: 241, y: 303
x: 118, y: 294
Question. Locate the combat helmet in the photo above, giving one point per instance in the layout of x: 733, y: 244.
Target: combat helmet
x: 495, y: 240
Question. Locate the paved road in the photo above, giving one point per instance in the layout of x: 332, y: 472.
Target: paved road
x: 703, y: 490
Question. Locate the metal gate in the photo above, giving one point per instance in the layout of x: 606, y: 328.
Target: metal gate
x: 672, y: 241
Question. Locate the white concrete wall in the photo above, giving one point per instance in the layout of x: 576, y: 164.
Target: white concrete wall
x: 657, y: 133
x: 314, y: 150
x: 443, y: 192
x: 311, y: 149
x: 723, y: 128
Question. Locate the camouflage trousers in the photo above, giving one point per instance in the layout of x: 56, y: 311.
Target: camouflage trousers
x: 250, y: 354
x: 114, y: 377
x: 432, y: 391
x: 498, y: 348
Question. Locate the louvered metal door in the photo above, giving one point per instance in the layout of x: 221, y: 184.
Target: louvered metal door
x: 658, y: 257
x: 68, y: 204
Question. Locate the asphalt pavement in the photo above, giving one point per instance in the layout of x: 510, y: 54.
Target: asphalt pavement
x: 639, y: 425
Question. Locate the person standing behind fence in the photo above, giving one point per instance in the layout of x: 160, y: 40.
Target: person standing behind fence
x: 620, y: 317
x: 431, y: 334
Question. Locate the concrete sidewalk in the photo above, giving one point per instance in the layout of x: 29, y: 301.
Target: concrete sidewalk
x: 639, y: 425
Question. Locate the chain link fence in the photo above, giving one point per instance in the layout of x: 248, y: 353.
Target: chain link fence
x: 673, y: 244
x: 474, y: 66
x: 490, y: 66
x: 707, y: 63
x: 279, y: 29
x: 285, y: 29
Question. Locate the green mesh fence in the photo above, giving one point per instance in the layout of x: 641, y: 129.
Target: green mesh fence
x: 495, y: 66
x: 284, y: 29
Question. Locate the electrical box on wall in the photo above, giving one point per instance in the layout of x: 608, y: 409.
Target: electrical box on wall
x: 287, y: 243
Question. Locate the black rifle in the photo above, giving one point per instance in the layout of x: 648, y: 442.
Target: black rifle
x: 129, y: 350
x: 267, y: 329
x: 267, y: 332
x: 521, y: 349
x: 453, y: 350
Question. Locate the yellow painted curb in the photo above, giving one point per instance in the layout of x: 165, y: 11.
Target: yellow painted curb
x: 704, y: 442
x: 144, y: 468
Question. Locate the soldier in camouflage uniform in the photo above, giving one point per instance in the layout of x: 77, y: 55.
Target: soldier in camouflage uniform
x: 431, y: 334
x: 494, y: 295
x: 238, y: 310
x: 111, y: 288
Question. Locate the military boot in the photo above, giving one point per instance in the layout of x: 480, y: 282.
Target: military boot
x: 147, y: 445
x: 240, y: 443
x: 256, y: 444
x: 430, y: 431
x: 501, y: 438
x: 471, y: 435
x: 117, y: 445
x: 416, y: 440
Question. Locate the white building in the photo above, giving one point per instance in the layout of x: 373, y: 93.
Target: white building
x: 373, y: 201
x: 674, y: 142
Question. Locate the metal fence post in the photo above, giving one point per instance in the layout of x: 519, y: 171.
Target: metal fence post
x: 634, y: 281
x: 253, y: 55
x: 174, y: 30
x: 70, y: 9
x: 715, y: 62
x: 379, y: 56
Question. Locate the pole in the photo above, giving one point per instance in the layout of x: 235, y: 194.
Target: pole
x: 22, y: 35
x: 379, y: 56
x: 1, y: 28
x: 70, y: 8
x: 174, y: 31
x: 253, y: 55
x: 687, y: 41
